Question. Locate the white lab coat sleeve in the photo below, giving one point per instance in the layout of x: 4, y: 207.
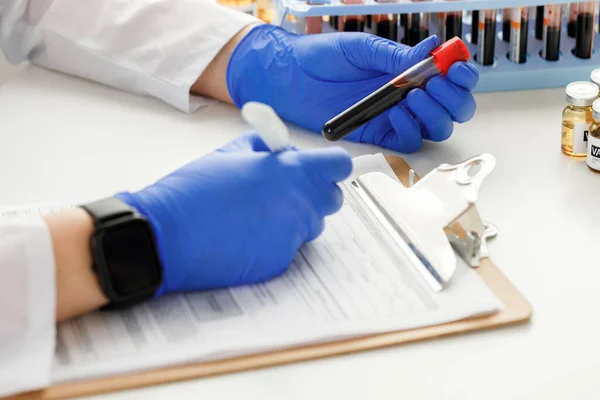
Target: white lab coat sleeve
x: 151, y: 47
x: 27, y: 305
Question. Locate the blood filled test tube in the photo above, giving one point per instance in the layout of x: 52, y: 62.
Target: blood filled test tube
x: 539, y: 22
x: 313, y: 24
x: 333, y: 21
x: 417, y: 28
x: 487, y: 37
x: 440, y: 23
x: 519, y: 27
x: 386, y: 26
x: 475, y: 26
x: 572, y: 21
x: 393, y: 92
x: 403, y: 20
x: 551, y: 34
x: 453, y: 22
x: 584, y: 39
x: 506, y: 16
x: 351, y: 23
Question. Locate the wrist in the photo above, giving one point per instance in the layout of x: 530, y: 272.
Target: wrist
x: 212, y: 81
x: 252, y: 61
x: 77, y: 288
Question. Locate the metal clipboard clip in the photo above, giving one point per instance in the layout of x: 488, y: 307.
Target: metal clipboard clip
x: 434, y: 218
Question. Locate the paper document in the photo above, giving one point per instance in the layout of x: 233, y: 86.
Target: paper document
x: 350, y: 281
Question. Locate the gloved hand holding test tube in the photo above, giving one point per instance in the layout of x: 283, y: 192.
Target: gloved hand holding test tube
x: 309, y: 79
x: 440, y: 61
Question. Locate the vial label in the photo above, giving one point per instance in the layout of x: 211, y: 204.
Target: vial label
x: 580, y: 137
x: 593, y: 153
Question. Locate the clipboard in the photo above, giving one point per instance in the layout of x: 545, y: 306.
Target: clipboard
x: 517, y: 310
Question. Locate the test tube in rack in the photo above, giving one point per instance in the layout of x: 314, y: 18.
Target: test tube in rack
x: 584, y: 38
x: 313, y: 24
x: 572, y: 20
x: 475, y: 26
x: 519, y: 28
x: 453, y: 23
x: 551, y: 33
x: 506, y: 16
x: 438, y: 21
x: 539, y: 22
x: 487, y: 37
x: 386, y: 26
x: 351, y: 23
x: 417, y: 27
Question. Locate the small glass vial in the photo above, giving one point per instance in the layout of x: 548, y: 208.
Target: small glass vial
x: 595, y: 77
x: 577, y: 117
x: 593, y: 150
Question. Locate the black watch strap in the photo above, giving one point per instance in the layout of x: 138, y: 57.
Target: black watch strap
x: 124, y: 252
x: 107, y: 209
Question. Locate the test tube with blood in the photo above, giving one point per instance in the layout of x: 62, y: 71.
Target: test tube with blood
x: 475, y: 26
x: 519, y: 27
x: 386, y: 26
x: 572, y: 22
x: 506, y: 16
x: 453, y: 22
x: 313, y: 24
x: 487, y: 37
x: 552, y: 20
x: 333, y: 21
x: 351, y: 23
x: 584, y: 39
x: 418, y: 28
x: 539, y: 22
x: 393, y: 92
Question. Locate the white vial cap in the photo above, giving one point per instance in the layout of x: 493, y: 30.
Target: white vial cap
x: 582, y: 93
x: 596, y: 110
x: 595, y: 76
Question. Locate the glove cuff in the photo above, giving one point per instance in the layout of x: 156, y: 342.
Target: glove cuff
x: 251, y: 60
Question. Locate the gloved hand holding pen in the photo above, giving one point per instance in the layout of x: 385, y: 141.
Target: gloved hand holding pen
x: 240, y: 214
x: 308, y: 79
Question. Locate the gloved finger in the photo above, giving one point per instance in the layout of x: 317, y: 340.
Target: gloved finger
x: 463, y: 74
x: 433, y: 116
x: 332, y: 201
x: 406, y: 134
x: 317, y: 227
x: 250, y: 141
x: 458, y: 101
x: 372, y: 53
x: 333, y: 163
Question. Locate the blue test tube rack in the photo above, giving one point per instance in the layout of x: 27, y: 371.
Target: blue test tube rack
x: 503, y: 75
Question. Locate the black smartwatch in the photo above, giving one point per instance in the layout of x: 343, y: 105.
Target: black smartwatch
x: 124, y: 253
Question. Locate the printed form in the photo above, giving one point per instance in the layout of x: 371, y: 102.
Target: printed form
x: 351, y: 281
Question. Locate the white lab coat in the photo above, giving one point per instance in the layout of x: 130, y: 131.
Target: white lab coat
x: 151, y: 47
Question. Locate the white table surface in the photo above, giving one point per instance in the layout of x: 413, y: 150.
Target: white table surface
x: 64, y: 139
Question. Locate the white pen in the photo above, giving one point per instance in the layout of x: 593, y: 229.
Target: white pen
x: 270, y: 127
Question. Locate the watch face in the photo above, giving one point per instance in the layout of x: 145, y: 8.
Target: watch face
x: 130, y: 257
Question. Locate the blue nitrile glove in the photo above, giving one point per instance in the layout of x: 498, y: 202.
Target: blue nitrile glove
x: 240, y: 214
x: 308, y: 79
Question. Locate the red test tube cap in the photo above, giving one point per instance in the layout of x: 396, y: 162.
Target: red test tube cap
x: 450, y: 52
